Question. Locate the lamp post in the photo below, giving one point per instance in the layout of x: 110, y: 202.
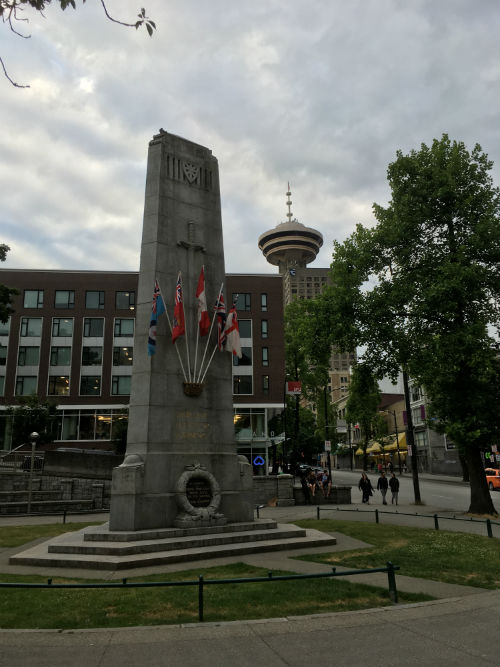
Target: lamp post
x: 33, y: 437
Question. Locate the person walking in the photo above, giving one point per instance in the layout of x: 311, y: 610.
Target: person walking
x: 382, y: 486
x: 394, y: 484
x: 365, y: 486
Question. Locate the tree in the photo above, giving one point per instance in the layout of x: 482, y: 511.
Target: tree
x: 32, y: 414
x: 6, y: 293
x: 362, y: 405
x: 421, y: 291
x: 11, y: 13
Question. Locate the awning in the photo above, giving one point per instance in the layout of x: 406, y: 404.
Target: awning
x: 401, y: 441
x: 374, y: 449
x: 358, y: 452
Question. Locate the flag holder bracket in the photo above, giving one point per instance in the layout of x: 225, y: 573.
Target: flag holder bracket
x: 193, y: 389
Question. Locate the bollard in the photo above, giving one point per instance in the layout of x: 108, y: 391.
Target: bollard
x: 64, y: 516
x: 317, y: 512
x: 488, y: 528
x: 376, y: 516
x: 393, y: 593
x: 436, y: 523
x: 200, y: 598
x: 124, y: 581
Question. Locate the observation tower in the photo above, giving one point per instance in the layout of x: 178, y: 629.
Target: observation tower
x: 290, y: 244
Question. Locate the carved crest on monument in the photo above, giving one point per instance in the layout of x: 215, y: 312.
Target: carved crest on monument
x: 191, y: 171
x: 198, y: 498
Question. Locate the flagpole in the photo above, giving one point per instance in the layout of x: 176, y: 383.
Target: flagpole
x: 185, y: 330
x: 198, y: 328
x: 209, y: 362
x: 208, y: 338
x: 170, y: 325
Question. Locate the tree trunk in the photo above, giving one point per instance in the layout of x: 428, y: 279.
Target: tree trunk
x: 480, y: 499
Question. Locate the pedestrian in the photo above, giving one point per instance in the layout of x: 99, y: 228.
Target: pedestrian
x: 394, y: 484
x: 311, y: 483
x: 379, y: 467
x: 382, y: 486
x: 365, y: 486
x: 391, y: 467
x: 326, y: 483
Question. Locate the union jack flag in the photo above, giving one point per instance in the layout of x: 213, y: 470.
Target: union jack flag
x: 220, y: 311
x: 178, y: 325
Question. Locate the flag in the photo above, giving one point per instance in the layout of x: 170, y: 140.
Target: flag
x: 232, y: 332
x: 220, y: 311
x: 157, y: 309
x: 203, y: 318
x: 178, y: 327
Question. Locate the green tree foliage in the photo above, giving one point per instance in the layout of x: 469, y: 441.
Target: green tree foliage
x: 6, y: 293
x: 420, y: 290
x: 362, y: 405
x: 32, y: 414
x: 11, y: 13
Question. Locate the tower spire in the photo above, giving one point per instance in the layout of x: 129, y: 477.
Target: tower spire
x: 289, y: 215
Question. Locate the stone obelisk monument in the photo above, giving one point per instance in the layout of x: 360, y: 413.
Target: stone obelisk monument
x: 181, y: 467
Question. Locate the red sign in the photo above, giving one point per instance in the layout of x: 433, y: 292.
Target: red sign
x: 294, y: 387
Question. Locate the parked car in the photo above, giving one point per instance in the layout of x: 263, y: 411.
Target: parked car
x: 493, y: 478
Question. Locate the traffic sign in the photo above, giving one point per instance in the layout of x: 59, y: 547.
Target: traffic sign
x: 328, y: 446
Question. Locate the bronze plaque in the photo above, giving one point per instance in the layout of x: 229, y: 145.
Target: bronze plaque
x: 198, y: 492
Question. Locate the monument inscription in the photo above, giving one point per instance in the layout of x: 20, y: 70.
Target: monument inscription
x: 199, y: 492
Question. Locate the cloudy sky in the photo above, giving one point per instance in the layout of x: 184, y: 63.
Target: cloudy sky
x: 319, y: 93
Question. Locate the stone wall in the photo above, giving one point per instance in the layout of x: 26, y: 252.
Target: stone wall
x: 273, y: 490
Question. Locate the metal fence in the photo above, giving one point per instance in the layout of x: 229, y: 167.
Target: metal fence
x: 488, y: 522
x: 201, y: 582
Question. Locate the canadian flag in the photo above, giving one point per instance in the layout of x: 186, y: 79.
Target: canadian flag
x: 203, y: 317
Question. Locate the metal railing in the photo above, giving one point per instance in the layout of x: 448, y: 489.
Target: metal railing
x: 390, y: 569
x: 488, y: 522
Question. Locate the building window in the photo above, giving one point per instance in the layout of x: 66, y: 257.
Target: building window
x: 263, y: 303
x: 31, y: 326
x: 65, y: 299
x: 92, y: 356
x: 28, y: 356
x: 125, y: 301
x: 58, y: 385
x: 246, y: 357
x: 90, y: 385
x: 93, y: 327
x: 26, y: 385
x: 60, y: 356
x: 265, y: 356
x: 242, y: 384
x: 94, y: 300
x: 245, y: 327
x: 124, y: 328
x: 3, y: 355
x: 120, y: 385
x: 416, y: 394
x: 263, y: 328
x: 265, y: 384
x: 4, y: 328
x: 33, y: 298
x: 123, y: 356
x: 243, y: 301
x: 62, y: 326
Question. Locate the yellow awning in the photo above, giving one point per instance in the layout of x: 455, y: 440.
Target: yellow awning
x: 358, y: 452
x: 401, y: 441
x: 374, y: 449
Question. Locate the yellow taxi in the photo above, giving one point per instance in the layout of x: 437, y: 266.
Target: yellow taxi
x: 493, y: 478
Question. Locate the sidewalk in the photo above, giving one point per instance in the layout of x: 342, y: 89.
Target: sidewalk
x: 449, y: 630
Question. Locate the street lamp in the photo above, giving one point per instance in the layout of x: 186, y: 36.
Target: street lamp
x: 33, y: 437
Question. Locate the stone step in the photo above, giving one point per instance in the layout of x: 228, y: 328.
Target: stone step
x: 176, y: 544
x: 282, y: 538
x: 22, y: 495
x: 103, y: 534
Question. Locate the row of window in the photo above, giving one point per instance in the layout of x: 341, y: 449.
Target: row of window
x: 244, y: 302
x: 59, y: 385
x: 94, y: 299
x: 243, y: 384
x: 62, y: 327
x: 60, y: 355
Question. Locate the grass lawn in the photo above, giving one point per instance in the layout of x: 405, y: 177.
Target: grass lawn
x: 454, y: 558
x: 105, y: 608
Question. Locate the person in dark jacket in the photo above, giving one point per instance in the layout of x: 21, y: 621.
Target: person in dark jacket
x: 394, y: 484
x: 382, y: 486
x: 365, y: 486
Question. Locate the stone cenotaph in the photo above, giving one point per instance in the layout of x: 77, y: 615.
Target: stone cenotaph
x: 181, y: 468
